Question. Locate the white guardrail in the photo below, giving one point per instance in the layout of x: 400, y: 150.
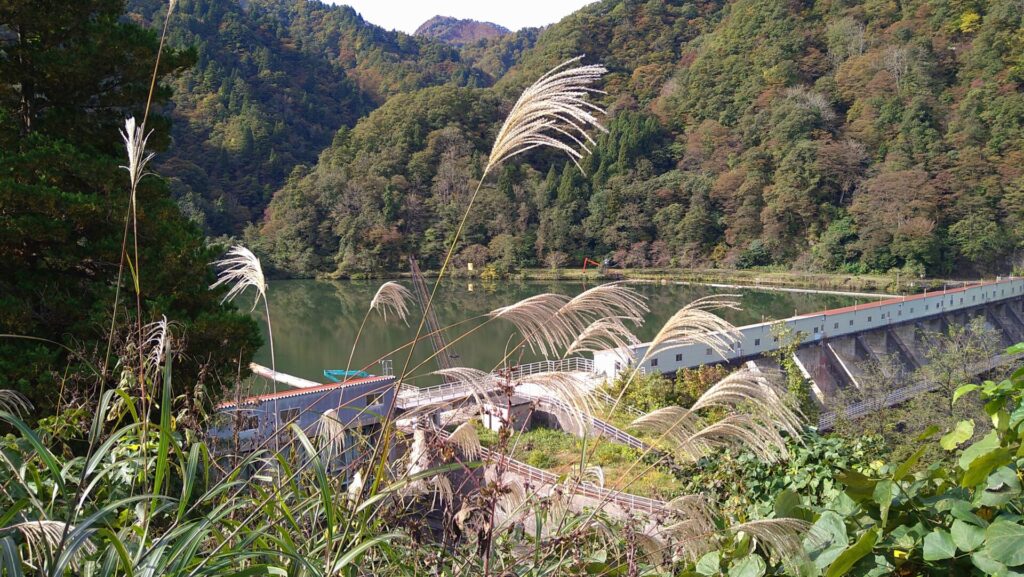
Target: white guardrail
x: 459, y: 389
x: 628, y: 502
x: 901, y: 395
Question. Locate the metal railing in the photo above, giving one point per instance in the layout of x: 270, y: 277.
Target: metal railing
x: 869, y: 406
x: 627, y: 501
x: 602, y: 428
x: 459, y: 389
x: 570, y: 364
x: 612, y: 401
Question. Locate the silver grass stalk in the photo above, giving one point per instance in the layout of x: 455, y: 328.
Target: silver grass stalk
x: 742, y: 431
x: 653, y: 548
x: 332, y: 433
x: 513, y: 501
x: 571, y: 390
x: 465, y: 439
x: 241, y: 269
x: 593, y: 474
x: 443, y: 490
x: 745, y: 389
x: 554, y: 107
x: 698, y: 516
x: 15, y: 403
x: 155, y: 338
x: 481, y: 384
x: 696, y: 324
x: 355, y: 487
x: 604, y: 334
x: 135, y: 139
x: 536, y: 320
x: 390, y: 296
x: 43, y: 540
x: 393, y: 297
x: 614, y: 299
x: 550, y: 322
x: 781, y: 539
x: 552, y: 110
x: 419, y: 454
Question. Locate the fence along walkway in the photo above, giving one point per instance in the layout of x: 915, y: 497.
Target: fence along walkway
x: 602, y: 428
x: 409, y: 397
x: 901, y: 395
x: 627, y: 502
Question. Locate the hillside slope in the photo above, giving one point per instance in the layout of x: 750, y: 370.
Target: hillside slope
x: 845, y: 136
x: 458, y: 32
x: 274, y: 80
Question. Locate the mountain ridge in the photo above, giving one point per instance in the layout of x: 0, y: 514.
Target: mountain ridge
x: 806, y: 134
x: 459, y: 31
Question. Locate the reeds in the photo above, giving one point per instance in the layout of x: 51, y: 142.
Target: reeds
x: 239, y: 270
x: 393, y: 297
x: 212, y: 521
x: 757, y: 419
x: 554, y: 109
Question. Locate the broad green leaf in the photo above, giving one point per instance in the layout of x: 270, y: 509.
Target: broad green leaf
x: 994, y: 406
x: 749, y: 566
x: 1001, y: 420
x: 961, y: 432
x: 884, y: 492
x: 967, y: 537
x: 1017, y: 416
x: 982, y: 467
x: 963, y: 390
x: 859, y: 487
x: 1004, y: 542
x: 826, y: 539
x: 928, y: 433
x: 785, y: 502
x: 907, y: 466
x: 1000, y: 487
x: 710, y: 564
x: 881, y: 567
x: 980, y: 447
x: 964, y: 511
x: 852, y: 554
x: 938, y: 545
x: 989, y: 566
x: 907, y: 537
x: 1015, y: 349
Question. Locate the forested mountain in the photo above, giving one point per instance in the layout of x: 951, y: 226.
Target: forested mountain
x: 458, y: 32
x: 274, y: 80
x: 845, y: 135
x: 68, y: 80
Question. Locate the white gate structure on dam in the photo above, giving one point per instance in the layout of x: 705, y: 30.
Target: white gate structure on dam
x: 758, y: 339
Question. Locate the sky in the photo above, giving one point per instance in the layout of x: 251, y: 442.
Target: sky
x: 407, y: 15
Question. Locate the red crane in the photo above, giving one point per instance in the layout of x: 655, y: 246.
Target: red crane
x: 587, y: 261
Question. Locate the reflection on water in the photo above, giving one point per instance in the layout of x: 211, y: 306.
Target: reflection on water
x: 315, y: 322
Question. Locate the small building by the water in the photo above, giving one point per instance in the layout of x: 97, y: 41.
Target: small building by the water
x: 356, y: 406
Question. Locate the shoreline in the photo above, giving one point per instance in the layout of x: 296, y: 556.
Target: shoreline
x: 861, y: 286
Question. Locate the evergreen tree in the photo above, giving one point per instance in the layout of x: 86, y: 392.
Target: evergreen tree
x: 69, y: 76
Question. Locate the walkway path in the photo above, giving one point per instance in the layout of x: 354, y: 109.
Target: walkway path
x: 783, y: 289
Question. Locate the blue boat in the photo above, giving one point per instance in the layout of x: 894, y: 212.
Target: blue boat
x: 338, y: 375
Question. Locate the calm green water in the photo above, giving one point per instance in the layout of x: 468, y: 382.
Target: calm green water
x: 315, y: 322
